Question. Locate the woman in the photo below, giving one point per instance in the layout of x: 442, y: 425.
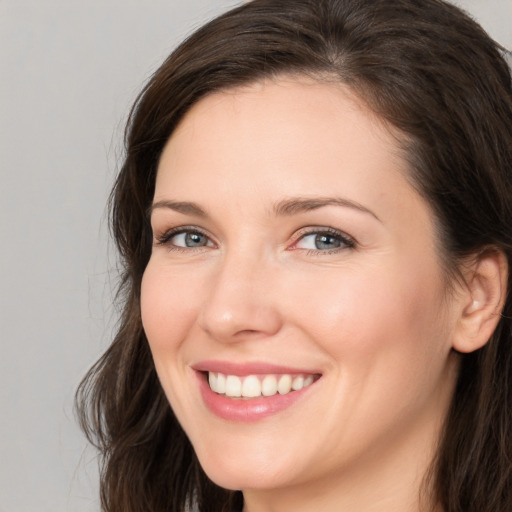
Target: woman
x: 314, y: 218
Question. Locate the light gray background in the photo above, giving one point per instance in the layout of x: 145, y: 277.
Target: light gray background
x: 69, y: 72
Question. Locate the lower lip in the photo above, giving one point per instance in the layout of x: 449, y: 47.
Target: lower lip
x: 247, y: 410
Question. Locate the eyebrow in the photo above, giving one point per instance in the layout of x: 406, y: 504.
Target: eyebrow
x: 293, y: 206
x: 285, y: 207
x: 185, y: 207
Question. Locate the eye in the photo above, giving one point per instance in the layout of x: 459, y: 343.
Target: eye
x: 190, y: 239
x: 183, y: 238
x: 324, y: 240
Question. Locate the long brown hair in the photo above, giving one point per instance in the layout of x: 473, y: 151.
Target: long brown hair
x: 427, y: 69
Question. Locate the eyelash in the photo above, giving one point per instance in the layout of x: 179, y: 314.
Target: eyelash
x: 347, y: 241
x: 165, y: 238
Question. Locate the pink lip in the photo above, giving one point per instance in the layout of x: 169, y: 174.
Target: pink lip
x: 244, y: 369
x: 246, y: 410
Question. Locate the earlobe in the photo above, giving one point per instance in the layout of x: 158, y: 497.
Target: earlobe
x: 482, y: 301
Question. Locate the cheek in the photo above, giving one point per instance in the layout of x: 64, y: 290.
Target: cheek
x: 387, y: 311
x: 387, y: 344
x: 168, y: 310
x: 168, y: 306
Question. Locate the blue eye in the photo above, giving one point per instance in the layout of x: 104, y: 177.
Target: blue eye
x: 186, y: 239
x: 324, y: 241
x: 190, y: 239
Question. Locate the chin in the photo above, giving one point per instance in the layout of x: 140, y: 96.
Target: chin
x: 246, y: 471
x: 241, y: 480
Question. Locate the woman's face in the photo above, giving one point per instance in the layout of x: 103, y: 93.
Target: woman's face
x: 290, y: 250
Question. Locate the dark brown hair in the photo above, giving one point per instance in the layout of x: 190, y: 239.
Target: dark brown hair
x: 432, y: 73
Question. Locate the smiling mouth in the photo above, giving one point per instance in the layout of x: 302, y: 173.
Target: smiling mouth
x: 257, y: 386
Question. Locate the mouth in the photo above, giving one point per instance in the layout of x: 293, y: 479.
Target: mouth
x: 249, y: 393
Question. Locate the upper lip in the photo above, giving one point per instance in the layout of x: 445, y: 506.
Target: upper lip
x: 249, y: 368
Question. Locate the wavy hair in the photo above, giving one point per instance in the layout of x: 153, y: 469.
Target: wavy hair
x: 431, y: 72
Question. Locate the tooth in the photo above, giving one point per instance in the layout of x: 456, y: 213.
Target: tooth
x: 221, y: 383
x: 251, y: 387
x: 285, y: 384
x: 233, y: 386
x: 308, y: 381
x: 269, y: 386
x: 298, y: 383
x: 212, y: 380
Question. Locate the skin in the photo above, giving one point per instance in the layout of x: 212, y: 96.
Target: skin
x: 375, y: 319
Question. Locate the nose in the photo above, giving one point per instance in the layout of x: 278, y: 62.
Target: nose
x: 241, y: 301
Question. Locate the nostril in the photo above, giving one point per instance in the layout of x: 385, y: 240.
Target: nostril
x: 248, y: 332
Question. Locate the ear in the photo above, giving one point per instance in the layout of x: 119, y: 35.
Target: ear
x: 482, y: 300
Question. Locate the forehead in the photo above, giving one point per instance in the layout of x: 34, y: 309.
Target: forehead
x: 282, y: 126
